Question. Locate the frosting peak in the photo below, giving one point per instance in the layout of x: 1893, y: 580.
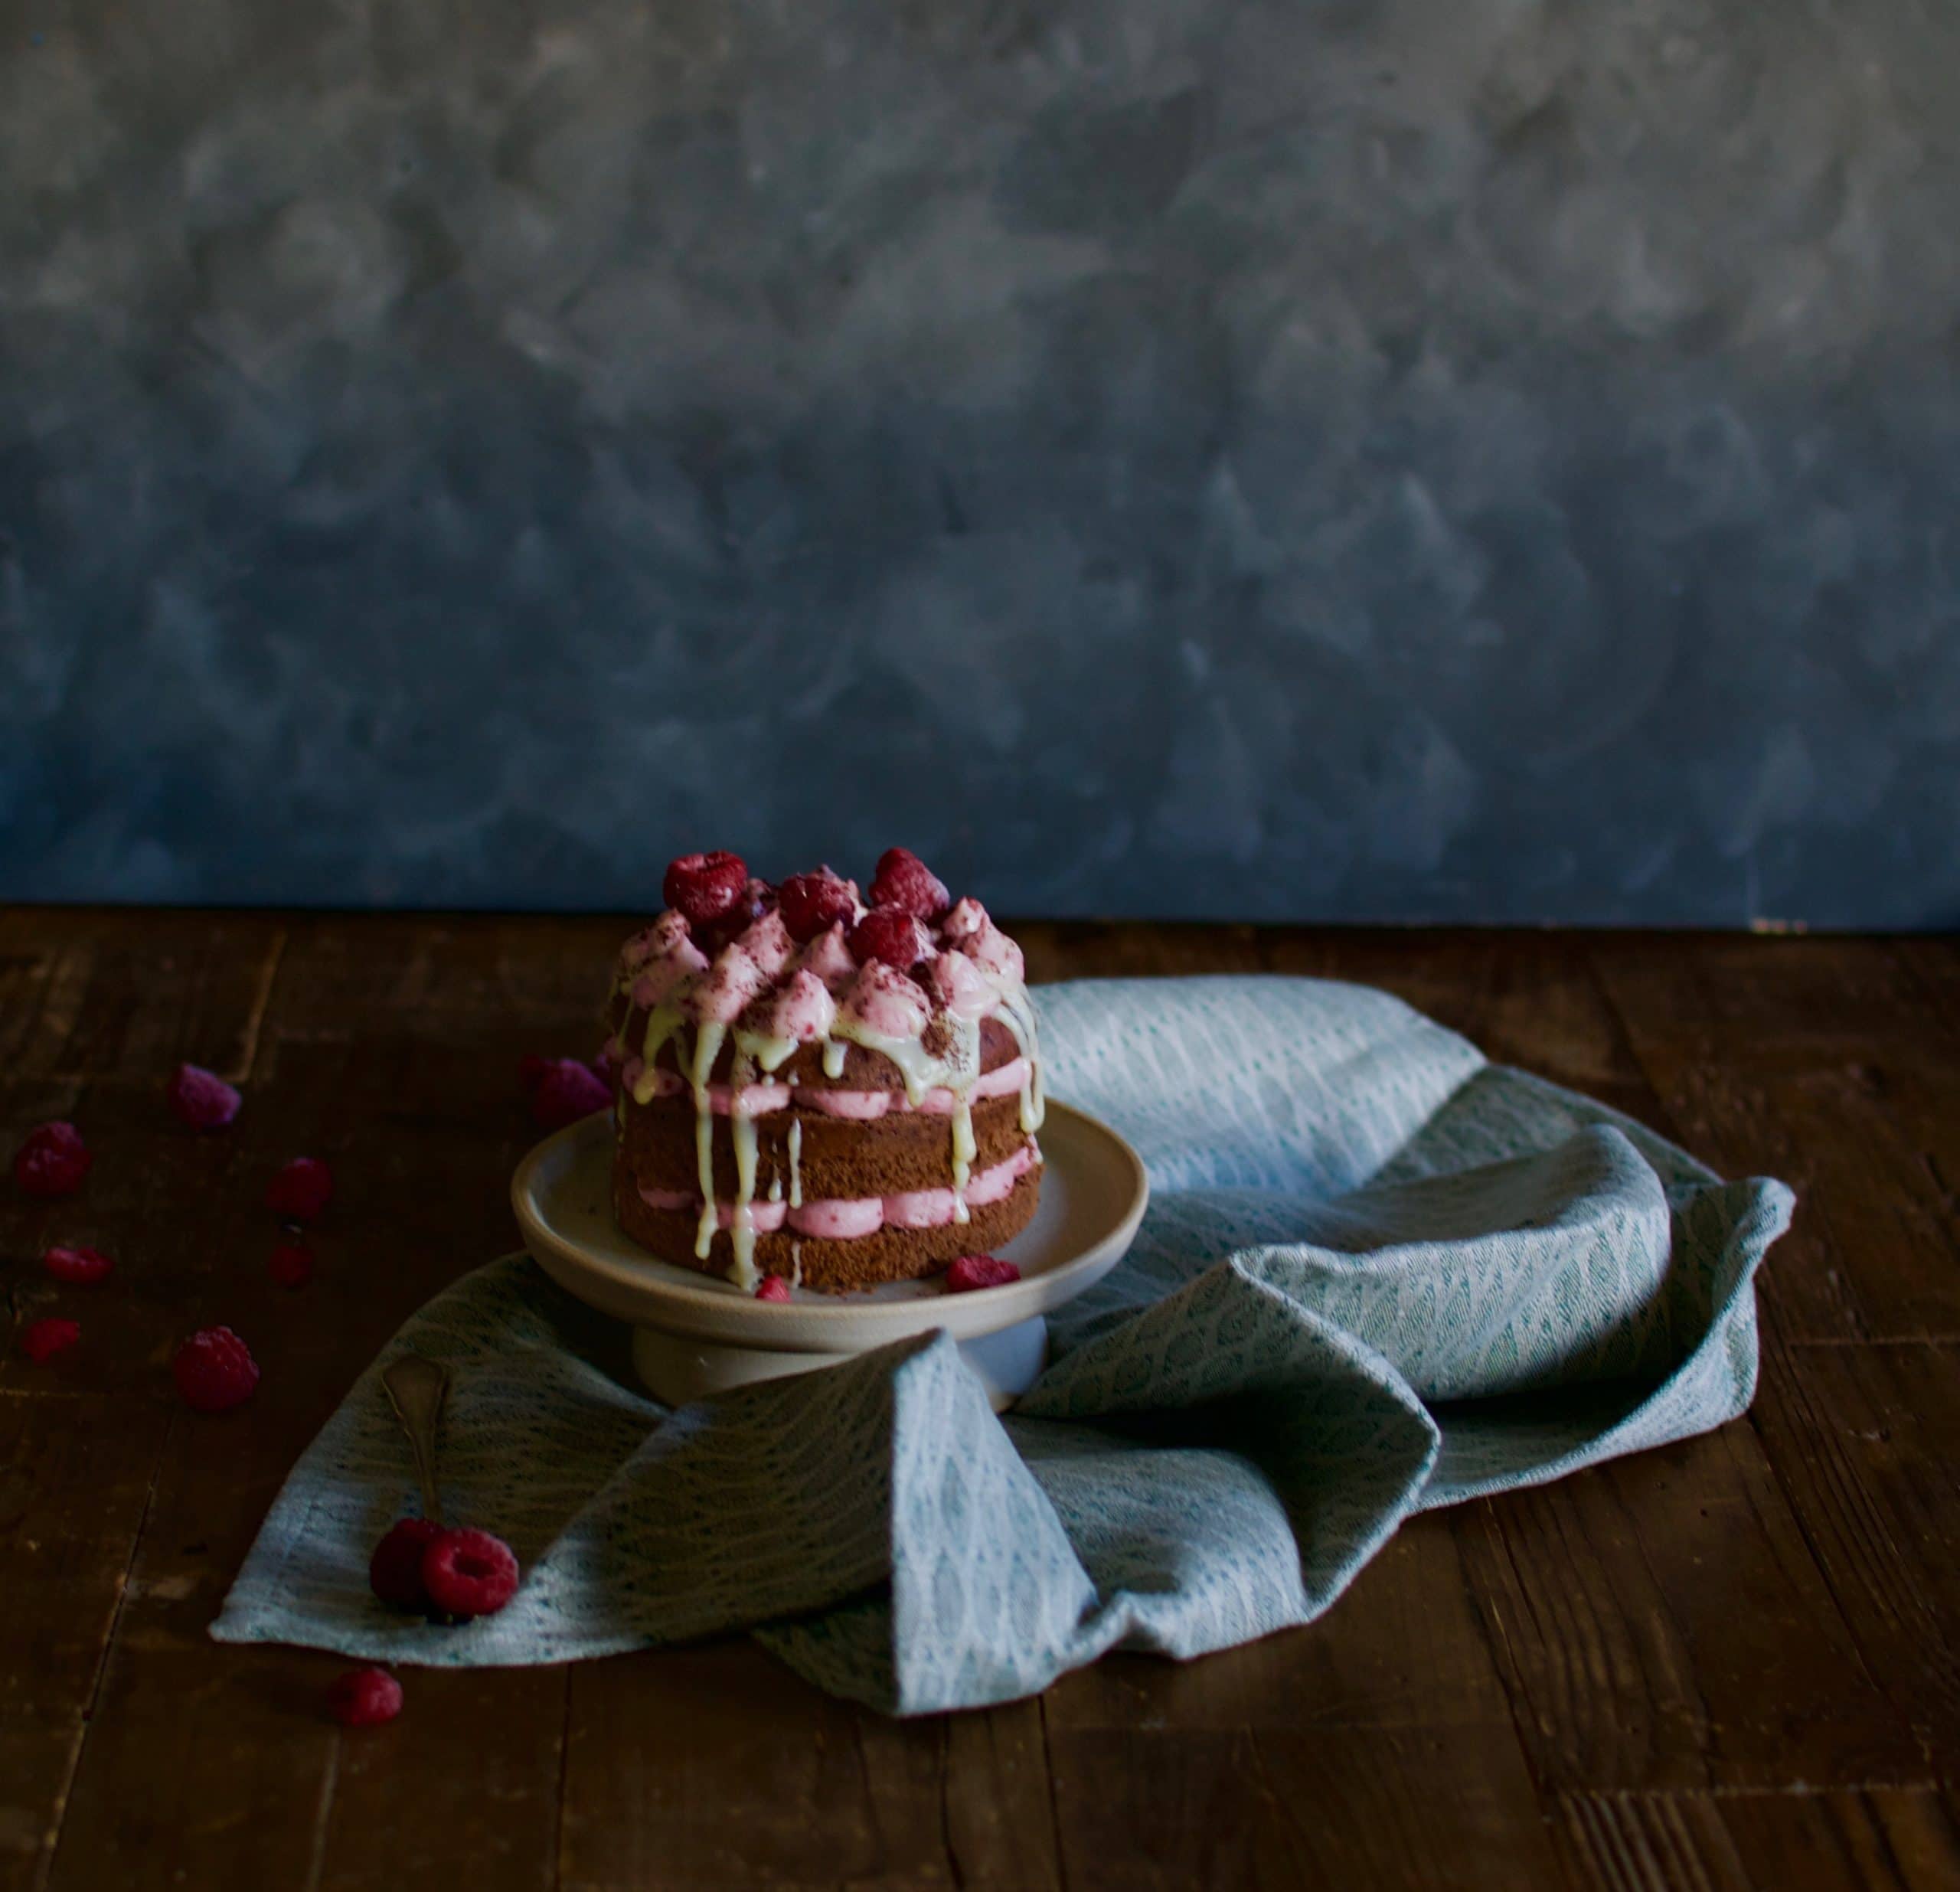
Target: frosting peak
x: 802, y: 1010
x: 993, y: 952
x: 720, y: 994
x: 829, y: 959
x: 956, y: 985
x: 767, y: 941
x: 965, y: 920
x: 886, y: 1001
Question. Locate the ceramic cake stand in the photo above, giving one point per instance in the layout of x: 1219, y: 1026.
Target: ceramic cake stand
x: 695, y: 1334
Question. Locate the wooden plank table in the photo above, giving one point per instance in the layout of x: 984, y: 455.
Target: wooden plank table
x: 1734, y: 1662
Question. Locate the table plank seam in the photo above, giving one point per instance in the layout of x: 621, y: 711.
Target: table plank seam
x: 316, y: 1860
x: 1054, y: 1799
x: 946, y: 1846
x: 58, y: 1824
x: 1504, y: 1660
x: 260, y: 1006
x: 1845, y: 1615
x: 564, y: 1774
x: 1801, y: 1342
x: 1932, y: 1784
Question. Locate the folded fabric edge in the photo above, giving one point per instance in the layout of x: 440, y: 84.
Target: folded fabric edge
x: 1714, y: 1385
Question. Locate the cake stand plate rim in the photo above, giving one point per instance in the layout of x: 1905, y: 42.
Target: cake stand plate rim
x: 1081, y: 1153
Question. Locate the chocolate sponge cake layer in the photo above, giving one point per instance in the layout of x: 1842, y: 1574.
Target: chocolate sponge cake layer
x: 837, y: 1157
x: 835, y: 1267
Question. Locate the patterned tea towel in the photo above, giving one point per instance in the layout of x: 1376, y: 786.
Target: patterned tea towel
x: 1378, y: 1274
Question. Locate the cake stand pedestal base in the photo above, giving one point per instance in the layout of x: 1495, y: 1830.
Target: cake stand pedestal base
x: 678, y: 1370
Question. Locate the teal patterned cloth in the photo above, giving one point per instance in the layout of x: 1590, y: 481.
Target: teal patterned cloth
x: 1378, y: 1274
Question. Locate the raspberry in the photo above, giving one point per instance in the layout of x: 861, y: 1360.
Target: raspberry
x: 756, y: 898
x: 300, y: 1191
x: 80, y: 1267
x: 201, y: 1099
x: 904, y: 881
x: 886, y: 933
x: 214, y: 1370
x: 567, y: 1091
x: 364, y: 1697
x: 394, y: 1572
x: 291, y: 1265
x: 811, y: 902
x: 979, y: 1271
x: 43, y: 1339
x: 773, y: 1288
x: 52, y: 1161
x: 702, y: 886
x: 469, y: 1573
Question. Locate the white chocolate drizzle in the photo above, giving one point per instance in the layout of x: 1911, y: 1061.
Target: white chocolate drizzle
x: 707, y: 1045
x: 742, y: 1135
x: 1018, y: 1016
x: 964, y: 1150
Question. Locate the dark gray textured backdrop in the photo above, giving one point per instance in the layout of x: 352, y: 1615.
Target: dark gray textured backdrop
x: 1457, y: 459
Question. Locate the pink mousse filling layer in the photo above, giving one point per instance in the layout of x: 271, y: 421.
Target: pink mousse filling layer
x: 844, y: 1220
x: 861, y: 1107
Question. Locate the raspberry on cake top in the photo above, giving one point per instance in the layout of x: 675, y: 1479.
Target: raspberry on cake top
x: 865, y: 1074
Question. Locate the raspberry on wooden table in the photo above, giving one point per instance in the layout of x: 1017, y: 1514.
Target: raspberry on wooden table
x: 291, y: 1265
x: 394, y: 1572
x: 904, y: 881
x: 364, y: 1697
x: 566, y: 1091
x: 214, y: 1370
x: 43, y: 1339
x: 469, y: 1573
x: 52, y: 1160
x: 301, y: 1190
x: 201, y: 1099
x: 79, y: 1267
x: 896, y: 937
x: 971, y: 1272
x: 773, y: 1287
x: 811, y: 902
x: 702, y: 887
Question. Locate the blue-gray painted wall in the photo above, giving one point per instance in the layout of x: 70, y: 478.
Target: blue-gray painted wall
x: 1465, y: 460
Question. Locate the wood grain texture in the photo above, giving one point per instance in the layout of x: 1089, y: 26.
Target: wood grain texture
x: 1864, y: 1442
x: 1820, y: 1061
x: 1661, y: 1622
x: 1902, y: 1839
x: 702, y: 1768
x: 1730, y: 1663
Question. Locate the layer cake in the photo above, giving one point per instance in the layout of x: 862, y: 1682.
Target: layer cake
x: 837, y: 1091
